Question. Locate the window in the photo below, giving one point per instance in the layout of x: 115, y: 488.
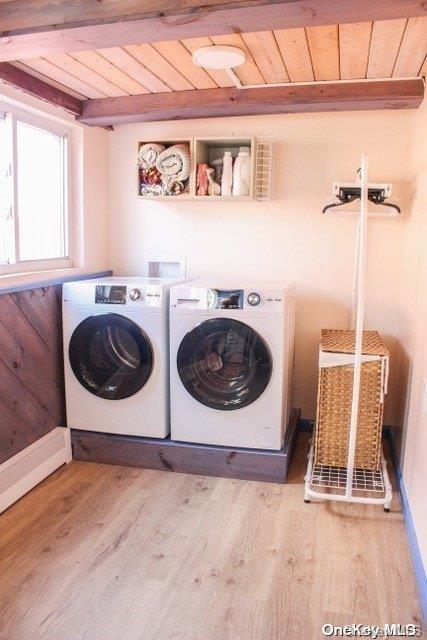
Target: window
x: 33, y: 195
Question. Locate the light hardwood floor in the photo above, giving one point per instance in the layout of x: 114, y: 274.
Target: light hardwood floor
x: 98, y: 552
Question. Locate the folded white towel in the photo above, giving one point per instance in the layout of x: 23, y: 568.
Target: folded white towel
x: 148, y: 154
x: 174, y: 164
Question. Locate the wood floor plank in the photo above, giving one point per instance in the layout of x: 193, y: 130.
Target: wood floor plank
x: 413, y: 49
x: 293, y: 46
x: 98, y: 552
x: 265, y: 52
x: 178, y: 55
x: 219, y: 76
x: 153, y: 60
x: 324, y: 51
x: 14, y: 522
x: 248, y: 72
x: 103, y: 67
x: 354, y: 44
x: 292, y: 586
x: 385, y: 42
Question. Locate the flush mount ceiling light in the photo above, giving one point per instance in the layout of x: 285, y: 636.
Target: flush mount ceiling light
x: 218, y: 57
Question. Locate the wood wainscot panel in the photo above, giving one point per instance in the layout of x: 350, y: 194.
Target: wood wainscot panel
x: 32, y: 399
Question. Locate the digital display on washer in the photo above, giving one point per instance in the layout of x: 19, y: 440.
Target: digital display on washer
x: 226, y: 298
x: 115, y: 294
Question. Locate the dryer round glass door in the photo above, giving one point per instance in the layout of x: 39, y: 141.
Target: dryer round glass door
x: 224, y: 364
x: 110, y: 356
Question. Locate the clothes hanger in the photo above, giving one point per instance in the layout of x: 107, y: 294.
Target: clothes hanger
x: 347, y: 193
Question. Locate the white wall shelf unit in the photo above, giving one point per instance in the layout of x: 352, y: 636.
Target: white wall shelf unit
x: 207, y: 150
x: 210, y: 149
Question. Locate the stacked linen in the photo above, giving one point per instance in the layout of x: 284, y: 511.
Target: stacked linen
x: 163, y: 170
x: 148, y: 154
x: 174, y: 166
x: 149, y: 177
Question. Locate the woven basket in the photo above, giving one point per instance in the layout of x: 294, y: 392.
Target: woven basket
x: 335, y: 397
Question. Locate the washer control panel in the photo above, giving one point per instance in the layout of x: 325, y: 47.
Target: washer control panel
x: 105, y: 294
x: 116, y: 292
x: 222, y: 300
x: 149, y: 296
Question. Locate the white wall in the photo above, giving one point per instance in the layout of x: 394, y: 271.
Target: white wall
x: 95, y: 198
x: 287, y: 239
x: 413, y: 410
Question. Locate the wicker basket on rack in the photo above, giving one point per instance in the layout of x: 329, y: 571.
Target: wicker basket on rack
x: 336, y: 366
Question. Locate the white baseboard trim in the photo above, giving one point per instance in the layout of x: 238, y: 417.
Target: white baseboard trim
x: 30, y: 466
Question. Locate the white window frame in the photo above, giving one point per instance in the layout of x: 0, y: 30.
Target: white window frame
x: 42, y: 264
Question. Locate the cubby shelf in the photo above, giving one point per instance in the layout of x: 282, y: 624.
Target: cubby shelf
x: 167, y: 142
x: 208, y: 149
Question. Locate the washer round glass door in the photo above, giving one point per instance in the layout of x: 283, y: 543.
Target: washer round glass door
x: 224, y: 364
x: 110, y: 356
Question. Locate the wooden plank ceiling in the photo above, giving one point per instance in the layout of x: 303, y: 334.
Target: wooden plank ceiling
x: 380, y: 49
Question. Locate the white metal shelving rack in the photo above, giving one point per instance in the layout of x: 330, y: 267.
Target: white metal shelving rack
x: 349, y: 484
x: 264, y: 167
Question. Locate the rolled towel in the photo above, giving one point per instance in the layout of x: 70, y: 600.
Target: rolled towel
x: 174, y: 164
x: 148, y: 154
x: 152, y: 190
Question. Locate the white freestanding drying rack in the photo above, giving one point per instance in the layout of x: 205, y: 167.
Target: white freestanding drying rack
x: 348, y: 484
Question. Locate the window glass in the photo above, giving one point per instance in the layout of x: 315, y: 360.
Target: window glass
x: 7, y: 243
x: 40, y: 193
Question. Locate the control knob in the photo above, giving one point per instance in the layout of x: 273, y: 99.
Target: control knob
x: 254, y: 299
x: 135, y: 294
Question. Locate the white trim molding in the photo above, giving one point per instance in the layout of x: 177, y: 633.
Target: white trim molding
x: 33, y: 464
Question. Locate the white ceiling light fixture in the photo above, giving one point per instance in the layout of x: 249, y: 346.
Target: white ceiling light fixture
x: 218, y: 57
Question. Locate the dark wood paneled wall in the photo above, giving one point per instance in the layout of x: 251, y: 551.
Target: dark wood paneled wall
x: 31, y: 367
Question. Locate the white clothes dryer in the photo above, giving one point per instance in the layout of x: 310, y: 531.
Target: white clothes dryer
x: 116, y: 355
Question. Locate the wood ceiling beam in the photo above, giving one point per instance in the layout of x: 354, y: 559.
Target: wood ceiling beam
x: 211, y: 103
x: 32, y: 28
x: 39, y: 89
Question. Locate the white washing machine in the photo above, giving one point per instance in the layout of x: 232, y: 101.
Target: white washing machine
x: 231, y: 354
x: 116, y: 355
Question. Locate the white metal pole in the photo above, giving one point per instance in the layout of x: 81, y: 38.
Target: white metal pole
x: 360, y: 310
x: 355, y: 277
